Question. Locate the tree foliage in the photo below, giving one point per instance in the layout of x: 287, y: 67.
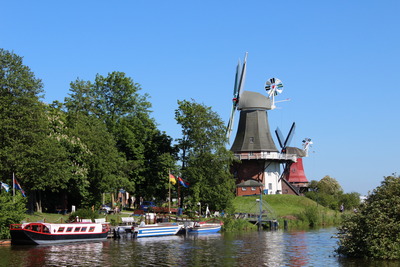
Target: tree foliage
x: 374, y: 231
x: 328, y: 193
x: 12, y: 210
x: 205, y: 160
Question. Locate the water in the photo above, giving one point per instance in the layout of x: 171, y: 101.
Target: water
x: 276, y: 248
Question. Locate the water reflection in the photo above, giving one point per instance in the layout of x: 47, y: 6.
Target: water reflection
x: 277, y: 248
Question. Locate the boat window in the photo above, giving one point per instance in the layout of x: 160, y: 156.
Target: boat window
x: 35, y: 228
x: 83, y: 229
x: 77, y: 229
x: 91, y: 229
x: 45, y: 229
x: 69, y: 229
x: 28, y: 227
x: 61, y: 229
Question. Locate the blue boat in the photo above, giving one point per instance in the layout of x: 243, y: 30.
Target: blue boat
x: 160, y: 229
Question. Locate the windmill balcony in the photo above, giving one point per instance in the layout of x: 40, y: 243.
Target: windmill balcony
x: 266, y: 155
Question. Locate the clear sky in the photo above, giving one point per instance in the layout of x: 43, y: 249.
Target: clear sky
x: 339, y: 62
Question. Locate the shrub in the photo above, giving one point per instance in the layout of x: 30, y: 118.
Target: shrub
x: 373, y: 232
x: 83, y: 214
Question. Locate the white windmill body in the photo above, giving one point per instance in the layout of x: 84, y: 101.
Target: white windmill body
x: 253, y: 143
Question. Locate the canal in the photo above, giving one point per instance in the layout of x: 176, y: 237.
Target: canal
x: 266, y: 248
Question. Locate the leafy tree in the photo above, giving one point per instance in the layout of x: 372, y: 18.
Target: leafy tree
x: 373, y: 231
x: 205, y: 160
x: 116, y: 101
x: 328, y: 193
x: 12, y: 210
x: 23, y: 132
x: 329, y: 185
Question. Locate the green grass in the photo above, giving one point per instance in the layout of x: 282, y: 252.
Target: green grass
x: 298, y: 210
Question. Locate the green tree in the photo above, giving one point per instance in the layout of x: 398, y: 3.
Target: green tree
x: 116, y: 101
x: 329, y: 185
x: 12, y: 210
x: 23, y: 132
x: 373, y: 231
x: 205, y: 160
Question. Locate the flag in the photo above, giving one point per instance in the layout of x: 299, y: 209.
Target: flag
x: 183, y: 182
x: 172, y: 179
x: 5, y: 186
x: 17, y: 186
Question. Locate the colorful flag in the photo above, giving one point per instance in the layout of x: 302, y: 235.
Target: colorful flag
x: 5, y: 186
x: 17, y: 186
x: 183, y: 182
x: 172, y: 179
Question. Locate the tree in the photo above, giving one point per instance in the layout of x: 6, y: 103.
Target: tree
x: 12, y: 210
x: 23, y: 121
x: 329, y: 186
x: 205, y: 160
x: 115, y: 100
x: 328, y: 193
x: 373, y: 231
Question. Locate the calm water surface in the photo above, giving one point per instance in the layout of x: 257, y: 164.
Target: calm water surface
x: 277, y: 248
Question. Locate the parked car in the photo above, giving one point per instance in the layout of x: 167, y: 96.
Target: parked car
x: 146, y: 205
x: 106, y: 209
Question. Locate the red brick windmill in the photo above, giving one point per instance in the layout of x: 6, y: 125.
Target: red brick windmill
x: 259, y: 169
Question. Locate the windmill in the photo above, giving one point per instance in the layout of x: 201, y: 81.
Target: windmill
x: 294, y: 171
x: 253, y: 143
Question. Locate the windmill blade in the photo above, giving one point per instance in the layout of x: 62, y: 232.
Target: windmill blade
x: 237, y: 80
x: 290, y: 135
x: 242, y: 76
x: 279, y: 136
x: 230, y: 123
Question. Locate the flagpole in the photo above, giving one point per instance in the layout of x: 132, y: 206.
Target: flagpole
x: 13, y: 188
x: 169, y: 192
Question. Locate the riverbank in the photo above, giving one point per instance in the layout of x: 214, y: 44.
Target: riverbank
x: 297, y: 211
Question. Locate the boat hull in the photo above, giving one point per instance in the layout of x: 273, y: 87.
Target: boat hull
x: 22, y: 237
x: 205, y: 229
x: 45, y: 233
x: 157, y: 230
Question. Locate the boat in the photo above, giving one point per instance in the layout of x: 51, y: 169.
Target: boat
x: 159, y: 229
x: 205, y: 227
x: 49, y: 233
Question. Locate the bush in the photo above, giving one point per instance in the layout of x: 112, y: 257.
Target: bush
x: 373, y: 232
x: 231, y: 224
x: 83, y: 214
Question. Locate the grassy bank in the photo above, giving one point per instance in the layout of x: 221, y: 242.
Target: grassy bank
x: 297, y: 210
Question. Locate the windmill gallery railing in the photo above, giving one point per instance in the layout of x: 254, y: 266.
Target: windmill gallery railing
x: 266, y: 155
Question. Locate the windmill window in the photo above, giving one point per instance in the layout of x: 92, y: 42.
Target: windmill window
x: 251, y: 140
x: 253, y: 189
x: 270, y: 186
x: 244, y: 188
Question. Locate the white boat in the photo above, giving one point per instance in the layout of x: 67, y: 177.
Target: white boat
x: 160, y: 229
x: 205, y: 227
x: 50, y: 233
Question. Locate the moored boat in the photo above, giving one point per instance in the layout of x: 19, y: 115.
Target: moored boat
x: 160, y: 229
x: 49, y: 233
x: 205, y: 227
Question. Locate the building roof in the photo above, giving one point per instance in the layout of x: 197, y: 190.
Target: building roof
x: 250, y: 183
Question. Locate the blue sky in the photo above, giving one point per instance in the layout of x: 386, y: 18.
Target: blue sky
x: 339, y: 62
